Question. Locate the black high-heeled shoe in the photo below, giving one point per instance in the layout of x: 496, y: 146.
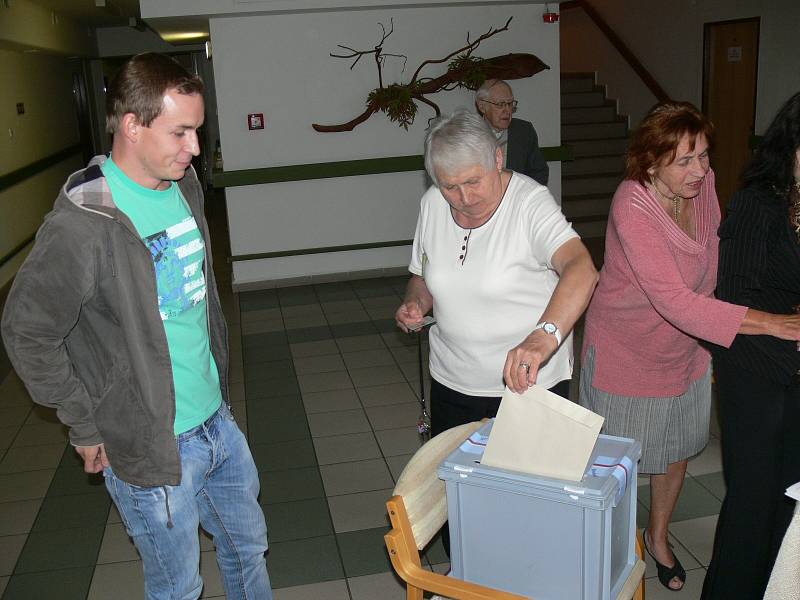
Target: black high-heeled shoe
x: 665, y: 573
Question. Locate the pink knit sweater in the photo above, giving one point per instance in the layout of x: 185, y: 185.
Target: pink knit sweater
x: 655, y: 298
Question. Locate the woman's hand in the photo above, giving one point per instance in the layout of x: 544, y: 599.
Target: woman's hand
x: 523, y: 362
x: 409, y: 316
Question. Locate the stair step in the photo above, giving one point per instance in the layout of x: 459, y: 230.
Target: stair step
x: 605, y: 183
x: 586, y: 206
x: 582, y: 148
x: 572, y: 100
x: 587, y: 165
x: 583, y: 83
x: 588, y: 114
x: 593, y: 131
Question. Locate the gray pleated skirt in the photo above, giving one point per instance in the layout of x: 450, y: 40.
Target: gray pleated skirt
x: 670, y: 429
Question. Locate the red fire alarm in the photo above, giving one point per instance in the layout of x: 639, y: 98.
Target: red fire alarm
x: 549, y: 17
x: 255, y: 121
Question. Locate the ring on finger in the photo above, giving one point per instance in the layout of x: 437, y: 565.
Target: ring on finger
x: 525, y: 366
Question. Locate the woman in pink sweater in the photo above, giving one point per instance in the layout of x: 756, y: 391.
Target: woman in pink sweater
x: 644, y: 369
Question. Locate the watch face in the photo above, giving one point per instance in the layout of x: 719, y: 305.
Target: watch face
x: 550, y: 328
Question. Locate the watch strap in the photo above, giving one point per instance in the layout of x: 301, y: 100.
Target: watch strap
x: 551, y: 330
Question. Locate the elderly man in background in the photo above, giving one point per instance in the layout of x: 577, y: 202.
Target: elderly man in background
x: 517, y: 138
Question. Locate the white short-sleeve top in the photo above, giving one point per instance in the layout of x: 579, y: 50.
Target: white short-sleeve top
x: 488, y: 301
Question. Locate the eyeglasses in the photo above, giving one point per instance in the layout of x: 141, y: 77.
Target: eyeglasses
x: 512, y: 104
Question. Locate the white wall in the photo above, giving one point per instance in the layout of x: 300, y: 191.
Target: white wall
x: 279, y: 65
x: 44, y: 84
x: 667, y: 37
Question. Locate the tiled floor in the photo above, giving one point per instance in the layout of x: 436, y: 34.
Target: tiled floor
x: 326, y: 389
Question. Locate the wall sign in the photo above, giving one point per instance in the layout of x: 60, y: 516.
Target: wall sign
x: 734, y: 54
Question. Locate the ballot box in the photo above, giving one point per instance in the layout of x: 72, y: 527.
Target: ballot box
x: 546, y: 538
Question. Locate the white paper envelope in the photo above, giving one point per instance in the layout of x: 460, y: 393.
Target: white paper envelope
x: 541, y: 433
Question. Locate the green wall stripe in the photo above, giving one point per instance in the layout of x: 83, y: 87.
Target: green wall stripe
x: 303, y: 251
x: 344, y: 168
x: 15, y: 177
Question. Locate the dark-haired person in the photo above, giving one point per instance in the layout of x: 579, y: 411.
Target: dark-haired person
x: 643, y: 368
x: 114, y: 320
x: 757, y: 376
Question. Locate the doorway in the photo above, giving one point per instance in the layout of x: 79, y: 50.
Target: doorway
x: 730, y: 72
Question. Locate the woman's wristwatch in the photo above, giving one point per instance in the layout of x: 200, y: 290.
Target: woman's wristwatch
x: 550, y: 328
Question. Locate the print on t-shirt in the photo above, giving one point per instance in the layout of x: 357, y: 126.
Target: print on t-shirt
x: 178, y: 258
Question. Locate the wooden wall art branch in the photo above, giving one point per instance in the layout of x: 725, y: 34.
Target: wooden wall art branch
x: 397, y: 100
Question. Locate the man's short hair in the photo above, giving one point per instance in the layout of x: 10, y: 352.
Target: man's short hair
x: 140, y: 85
x: 483, y: 92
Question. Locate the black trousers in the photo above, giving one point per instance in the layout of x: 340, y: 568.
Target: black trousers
x: 760, y: 422
x: 450, y: 408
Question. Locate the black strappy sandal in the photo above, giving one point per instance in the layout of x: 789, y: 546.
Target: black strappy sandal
x: 665, y: 573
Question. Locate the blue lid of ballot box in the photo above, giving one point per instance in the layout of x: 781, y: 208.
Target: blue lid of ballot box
x: 611, y: 469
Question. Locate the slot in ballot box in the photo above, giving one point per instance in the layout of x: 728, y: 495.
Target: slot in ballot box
x: 546, y: 538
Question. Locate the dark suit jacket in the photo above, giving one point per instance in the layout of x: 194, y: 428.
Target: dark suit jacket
x: 523, y: 151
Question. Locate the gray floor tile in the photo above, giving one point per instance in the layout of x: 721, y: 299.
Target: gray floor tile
x: 353, y: 477
x: 4, y: 583
x: 322, y: 382
x: 302, y: 310
x: 323, y: 363
x: 313, y: 348
x: 697, y: 536
x: 396, y: 442
x: 258, y: 356
x: 393, y: 416
x: 120, y: 581
x: 374, y: 357
x: 714, y: 483
x: 360, y: 342
x: 280, y: 429
x: 385, y: 312
x: 397, y: 464
x: 410, y: 354
x: 389, y: 393
x: 72, y: 512
x: 342, y: 306
x: 396, y: 339
x: 62, y: 549
x: 376, y: 376
x: 64, y: 584
x: 302, y: 562
x: 14, y: 416
x: 354, y: 316
x: 13, y: 391
x: 309, y: 334
x: 695, y: 501
x: 264, y: 340
x: 386, y: 586
x: 363, y: 510
x: 266, y: 388
x: 327, y: 590
x: 38, y: 414
x: 353, y: 329
x: 708, y: 461
x: 10, y: 549
x: 346, y: 448
x: 116, y: 546
x: 280, y: 456
x: 7, y: 435
x: 18, y: 517
x: 386, y: 301
x: 72, y: 480
x: 275, y: 408
x: 332, y: 400
x: 263, y: 326
x: 364, y: 552
x: 291, y: 485
x: 295, y: 323
x: 298, y: 520
x: 338, y: 423
x: 262, y: 314
x: 270, y: 370
x: 25, y: 486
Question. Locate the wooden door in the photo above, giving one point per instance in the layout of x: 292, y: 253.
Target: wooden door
x: 729, y: 97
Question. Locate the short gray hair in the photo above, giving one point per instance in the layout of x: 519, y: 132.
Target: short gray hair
x: 460, y: 140
x: 482, y: 93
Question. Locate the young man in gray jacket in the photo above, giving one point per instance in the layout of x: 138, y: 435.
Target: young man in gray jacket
x: 115, y: 321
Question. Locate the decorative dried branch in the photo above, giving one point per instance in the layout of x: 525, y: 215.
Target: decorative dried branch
x: 469, y: 48
x: 377, y: 51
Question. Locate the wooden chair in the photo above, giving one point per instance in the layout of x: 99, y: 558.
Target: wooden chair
x: 418, y: 509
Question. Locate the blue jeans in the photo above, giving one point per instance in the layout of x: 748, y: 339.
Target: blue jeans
x: 218, y: 490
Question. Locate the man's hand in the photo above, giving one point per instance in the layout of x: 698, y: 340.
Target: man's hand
x: 94, y: 457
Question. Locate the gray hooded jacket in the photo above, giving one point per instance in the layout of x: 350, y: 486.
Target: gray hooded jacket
x: 84, y: 333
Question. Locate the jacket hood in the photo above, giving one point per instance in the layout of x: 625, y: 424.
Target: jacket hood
x: 87, y: 189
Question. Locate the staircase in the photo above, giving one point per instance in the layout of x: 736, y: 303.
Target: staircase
x: 598, y: 138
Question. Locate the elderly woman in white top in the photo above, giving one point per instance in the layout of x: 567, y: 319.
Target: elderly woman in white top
x: 503, y: 271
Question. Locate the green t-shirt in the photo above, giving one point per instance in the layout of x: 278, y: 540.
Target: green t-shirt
x: 168, y: 229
